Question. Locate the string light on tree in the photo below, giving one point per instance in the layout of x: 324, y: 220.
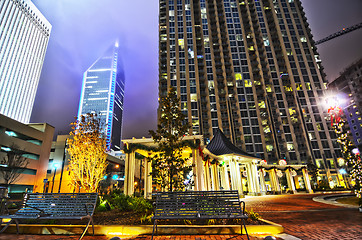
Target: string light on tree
x: 350, y: 153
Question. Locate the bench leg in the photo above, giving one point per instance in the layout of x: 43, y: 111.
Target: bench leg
x: 153, y: 230
x: 17, y: 226
x: 246, y: 231
x: 6, y: 226
x: 86, y: 228
x: 92, y: 225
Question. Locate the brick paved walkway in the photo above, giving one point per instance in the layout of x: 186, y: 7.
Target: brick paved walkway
x: 298, y: 214
x: 309, y: 220
x: 175, y: 237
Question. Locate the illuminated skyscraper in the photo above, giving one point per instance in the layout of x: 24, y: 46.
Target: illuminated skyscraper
x: 103, y: 93
x: 24, y: 36
x: 250, y: 68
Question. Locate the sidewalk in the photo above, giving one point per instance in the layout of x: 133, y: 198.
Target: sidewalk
x: 178, y: 237
x: 309, y: 220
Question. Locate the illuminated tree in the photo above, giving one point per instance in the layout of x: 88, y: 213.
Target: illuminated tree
x: 169, y: 168
x: 12, y: 165
x: 351, y: 155
x: 87, y: 150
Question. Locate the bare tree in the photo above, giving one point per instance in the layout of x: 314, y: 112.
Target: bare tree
x: 12, y: 165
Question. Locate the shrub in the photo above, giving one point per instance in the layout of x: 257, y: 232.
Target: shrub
x: 117, y: 200
x: 253, y: 215
x: 139, y: 204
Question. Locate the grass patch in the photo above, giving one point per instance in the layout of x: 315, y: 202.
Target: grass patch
x: 348, y: 200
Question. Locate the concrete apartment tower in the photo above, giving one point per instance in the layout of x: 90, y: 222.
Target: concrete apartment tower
x: 24, y: 39
x: 250, y: 68
x: 103, y: 93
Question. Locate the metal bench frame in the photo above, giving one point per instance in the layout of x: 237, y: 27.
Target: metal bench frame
x: 199, y: 205
x: 48, y: 206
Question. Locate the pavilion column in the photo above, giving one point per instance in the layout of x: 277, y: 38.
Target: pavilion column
x: 290, y: 180
x: 262, y: 181
x: 148, y: 180
x: 239, y: 186
x: 296, y: 182
x: 215, y: 177
x: 207, y: 178
x: 254, y: 171
x: 198, y: 170
x: 274, y: 180
x: 250, y: 178
x: 200, y: 174
x: 129, y: 173
x: 308, y: 187
x: 194, y: 170
x: 232, y: 174
x: 225, y: 178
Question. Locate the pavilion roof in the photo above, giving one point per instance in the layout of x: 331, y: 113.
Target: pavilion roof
x: 221, y: 145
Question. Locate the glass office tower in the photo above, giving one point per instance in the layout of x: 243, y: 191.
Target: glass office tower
x: 250, y: 68
x: 24, y: 36
x: 103, y: 93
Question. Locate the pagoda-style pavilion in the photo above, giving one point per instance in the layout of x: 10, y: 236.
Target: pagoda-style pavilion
x: 219, y: 165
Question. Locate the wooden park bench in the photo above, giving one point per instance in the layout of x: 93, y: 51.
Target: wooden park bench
x: 49, y: 206
x: 199, y: 205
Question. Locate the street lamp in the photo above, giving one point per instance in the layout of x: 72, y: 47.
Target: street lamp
x: 55, y: 166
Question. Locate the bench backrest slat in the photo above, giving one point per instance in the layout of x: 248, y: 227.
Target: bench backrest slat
x: 201, y: 203
x: 59, y: 204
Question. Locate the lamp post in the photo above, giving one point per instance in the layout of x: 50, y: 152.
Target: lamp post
x: 55, y: 166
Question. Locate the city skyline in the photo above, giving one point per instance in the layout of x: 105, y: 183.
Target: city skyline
x: 69, y: 54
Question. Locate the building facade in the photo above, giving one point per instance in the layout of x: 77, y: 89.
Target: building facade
x: 24, y: 39
x: 103, y: 93
x: 348, y: 87
x: 30, y: 141
x: 250, y: 68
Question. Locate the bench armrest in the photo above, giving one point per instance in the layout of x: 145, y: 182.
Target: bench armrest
x: 86, y: 208
x: 242, y: 202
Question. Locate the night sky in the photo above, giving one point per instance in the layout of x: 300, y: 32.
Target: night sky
x: 84, y: 29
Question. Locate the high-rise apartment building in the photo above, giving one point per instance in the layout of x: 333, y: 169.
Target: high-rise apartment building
x: 250, y: 68
x: 24, y: 36
x: 103, y: 93
x: 348, y: 90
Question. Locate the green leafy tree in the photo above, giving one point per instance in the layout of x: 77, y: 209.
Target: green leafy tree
x: 313, y: 171
x: 87, y: 150
x: 169, y: 168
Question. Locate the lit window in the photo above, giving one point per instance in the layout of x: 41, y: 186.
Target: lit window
x: 238, y: 76
x: 248, y: 83
x: 290, y: 146
x: 266, y: 129
x: 261, y: 104
x: 269, y: 148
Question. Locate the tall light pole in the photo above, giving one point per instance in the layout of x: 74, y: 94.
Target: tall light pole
x: 55, y: 166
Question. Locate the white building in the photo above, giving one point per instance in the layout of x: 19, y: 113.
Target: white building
x: 24, y: 36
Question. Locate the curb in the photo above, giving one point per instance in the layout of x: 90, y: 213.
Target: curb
x: 124, y: 230
x: 330, y: 199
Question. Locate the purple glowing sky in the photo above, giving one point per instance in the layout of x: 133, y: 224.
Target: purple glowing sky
x: 84, y: 29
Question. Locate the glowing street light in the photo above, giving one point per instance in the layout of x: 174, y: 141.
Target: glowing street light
x: 55, y: 166
x: 334, y: 110
x: 355, y: 151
